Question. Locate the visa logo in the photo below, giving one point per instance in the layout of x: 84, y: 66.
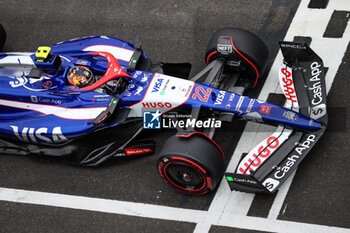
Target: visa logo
x: 220, y: 97
x: 157, y: 85
x: 40, y: 134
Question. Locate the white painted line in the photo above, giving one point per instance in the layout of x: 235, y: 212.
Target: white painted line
x: 234, y: 202
x: 228, y: 208
x: 159, y: 212
x: 101, y: 205
x: 332, y: 52
x: 221, y: 200
x: 271, y: 225
x: 280, y: 197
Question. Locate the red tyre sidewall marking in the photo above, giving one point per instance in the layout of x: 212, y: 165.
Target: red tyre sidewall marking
x: 182, y: 188
x: 256, y: 70
x: 211, y: 54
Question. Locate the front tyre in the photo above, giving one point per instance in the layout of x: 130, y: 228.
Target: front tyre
x: 192, y: 165
x: 2, y: 37
x: 242, y: 48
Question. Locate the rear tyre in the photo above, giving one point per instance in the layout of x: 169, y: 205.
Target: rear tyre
x: 248, y: 49
x: 2, y: 37
x: 192, y: 165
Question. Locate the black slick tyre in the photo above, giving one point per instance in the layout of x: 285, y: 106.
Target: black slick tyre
x: 247, y: 48
x: 192, y: 165
x: 2, y: 37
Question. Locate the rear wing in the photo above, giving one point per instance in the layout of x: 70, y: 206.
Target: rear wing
x: 267, y: 166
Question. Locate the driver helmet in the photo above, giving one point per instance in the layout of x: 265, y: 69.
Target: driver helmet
x: 80, y: 76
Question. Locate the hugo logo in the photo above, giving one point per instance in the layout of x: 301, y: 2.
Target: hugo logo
x: 255, y: 159
x: 288, y: 87
x: 156, y: 104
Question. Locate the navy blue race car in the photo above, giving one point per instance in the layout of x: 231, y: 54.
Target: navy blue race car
x: 90, y: 98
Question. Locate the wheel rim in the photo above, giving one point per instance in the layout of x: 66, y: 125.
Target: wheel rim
x: 185, y: 176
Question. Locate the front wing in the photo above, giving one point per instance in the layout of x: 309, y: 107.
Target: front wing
x: 272, y: 161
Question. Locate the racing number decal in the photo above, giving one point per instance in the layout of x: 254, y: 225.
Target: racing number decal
x: 201, y: 94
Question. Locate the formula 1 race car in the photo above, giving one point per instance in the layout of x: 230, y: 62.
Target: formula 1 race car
x: 45, y: 112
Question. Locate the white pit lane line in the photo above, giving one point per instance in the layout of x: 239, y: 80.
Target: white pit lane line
x: 331, y: 50
x: 158, y: 212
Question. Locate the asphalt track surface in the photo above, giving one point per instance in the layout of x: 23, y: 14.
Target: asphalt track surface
x: 173, y: 31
